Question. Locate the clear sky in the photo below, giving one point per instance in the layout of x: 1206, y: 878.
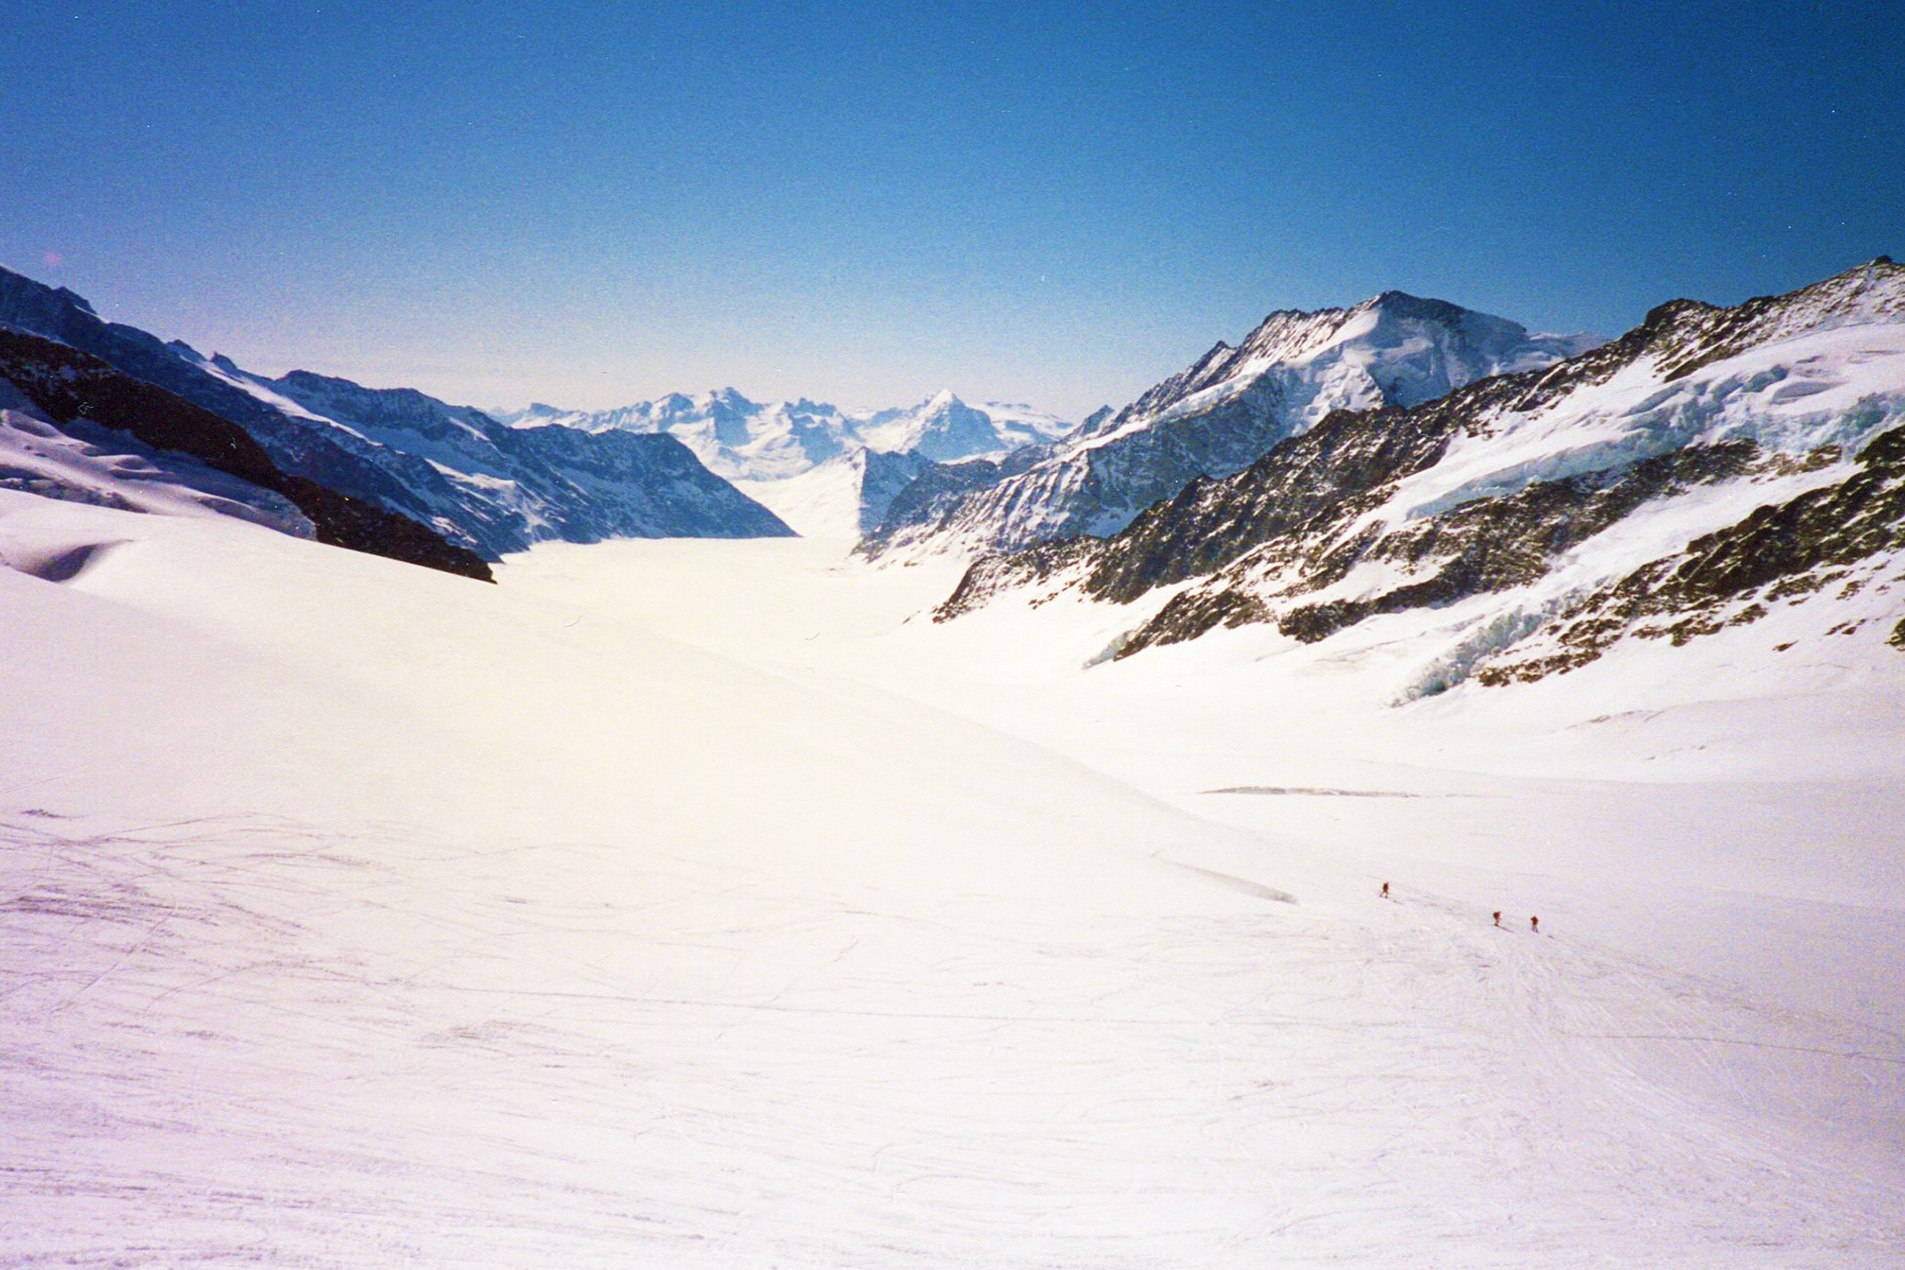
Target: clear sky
x: 1059, y: 203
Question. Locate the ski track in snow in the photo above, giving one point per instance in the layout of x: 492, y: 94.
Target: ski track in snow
x: 308, y: 1039
x: 243, y: 1069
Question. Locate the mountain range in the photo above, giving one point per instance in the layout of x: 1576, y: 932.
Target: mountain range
x: 1212, y: 419
x: 1515, y: 501
x: 826, y: 471
x: 764, y: 441
x: 477, y: 485
x: 1710, y: 468
x: 495, y: 482
x: 73, y: 427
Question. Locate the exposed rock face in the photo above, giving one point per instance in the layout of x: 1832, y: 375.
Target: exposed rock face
x: 479, y: 484
x: 1760, y: 442
x: 1786, y: 551
x: 67, y: 385
x: 1217, y: 417
x: 882, y: 478
x: 329, y: 457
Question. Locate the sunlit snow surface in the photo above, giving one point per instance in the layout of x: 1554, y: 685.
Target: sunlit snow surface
x: 695, y: 903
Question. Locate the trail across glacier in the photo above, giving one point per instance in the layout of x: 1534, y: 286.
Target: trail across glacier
x: 353, y: 915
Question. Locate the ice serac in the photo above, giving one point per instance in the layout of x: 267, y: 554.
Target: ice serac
x: 1221, y: 414
x: 479, y: 485
x: 1708, y: 468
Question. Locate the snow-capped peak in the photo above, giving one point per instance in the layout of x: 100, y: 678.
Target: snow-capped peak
x: 743, y: 439
x: 1228, y: 408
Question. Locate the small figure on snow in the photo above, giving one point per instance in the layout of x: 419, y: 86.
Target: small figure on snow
x: 1534, y: 924
x: 1385, y: 890
x: 1498, y: 917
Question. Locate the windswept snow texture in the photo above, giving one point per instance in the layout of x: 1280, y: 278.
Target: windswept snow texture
x: 773, y: 441
x: 1223, y: 413
x: 682, y: 903
x: 1713, y: 466
x: 479, y: 484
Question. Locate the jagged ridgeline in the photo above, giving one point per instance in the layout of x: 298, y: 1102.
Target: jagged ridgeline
x: 478, y: 485
x: 70, y: 387
x: 1213, y: 418
x: 1705, y: 466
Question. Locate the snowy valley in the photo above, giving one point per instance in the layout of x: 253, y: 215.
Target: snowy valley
x: 699, y: 894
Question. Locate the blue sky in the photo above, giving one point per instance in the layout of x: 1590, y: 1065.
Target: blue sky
x: 1058, y: 203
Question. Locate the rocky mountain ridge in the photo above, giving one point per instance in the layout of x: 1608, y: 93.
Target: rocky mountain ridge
x: 479, y: 485
x: 518, y: 486
x: 1709, y: 463
x: 138, y: 440
x: 1214, y: 418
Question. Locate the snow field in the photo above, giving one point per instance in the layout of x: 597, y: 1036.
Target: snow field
x: 687, y: 904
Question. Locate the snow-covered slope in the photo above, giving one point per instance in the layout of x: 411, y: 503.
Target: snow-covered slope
x: 1223, y: 413
x: 78, y: 429
x: 680, y: 904
x: 1710, y: 467
x: 337, y: 459
x: 735, y: 437
x: 946, y: 430
x: 85, y: 463
x: 480, y: 485
x: 842, y: 499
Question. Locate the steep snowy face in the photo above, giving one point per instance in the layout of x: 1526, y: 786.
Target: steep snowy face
x: 1226, y: 410
x: 1707, y: 467
x: 774, y: 441
x: 1394, y: 349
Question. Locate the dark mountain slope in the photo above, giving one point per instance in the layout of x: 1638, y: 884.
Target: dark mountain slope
x: 67, y: 384
x: 1756, y: 442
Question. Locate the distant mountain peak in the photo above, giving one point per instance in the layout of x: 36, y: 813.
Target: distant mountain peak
x: 77, y: 300
x: 1532, y: 522
x: 754, y: 441
x: 1222, y: 413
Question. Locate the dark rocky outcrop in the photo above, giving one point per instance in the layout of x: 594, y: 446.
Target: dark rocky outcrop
x: 466, y: 476
x: 1254, y: 546
x: 1790, y: 549
x: 67, y: 384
